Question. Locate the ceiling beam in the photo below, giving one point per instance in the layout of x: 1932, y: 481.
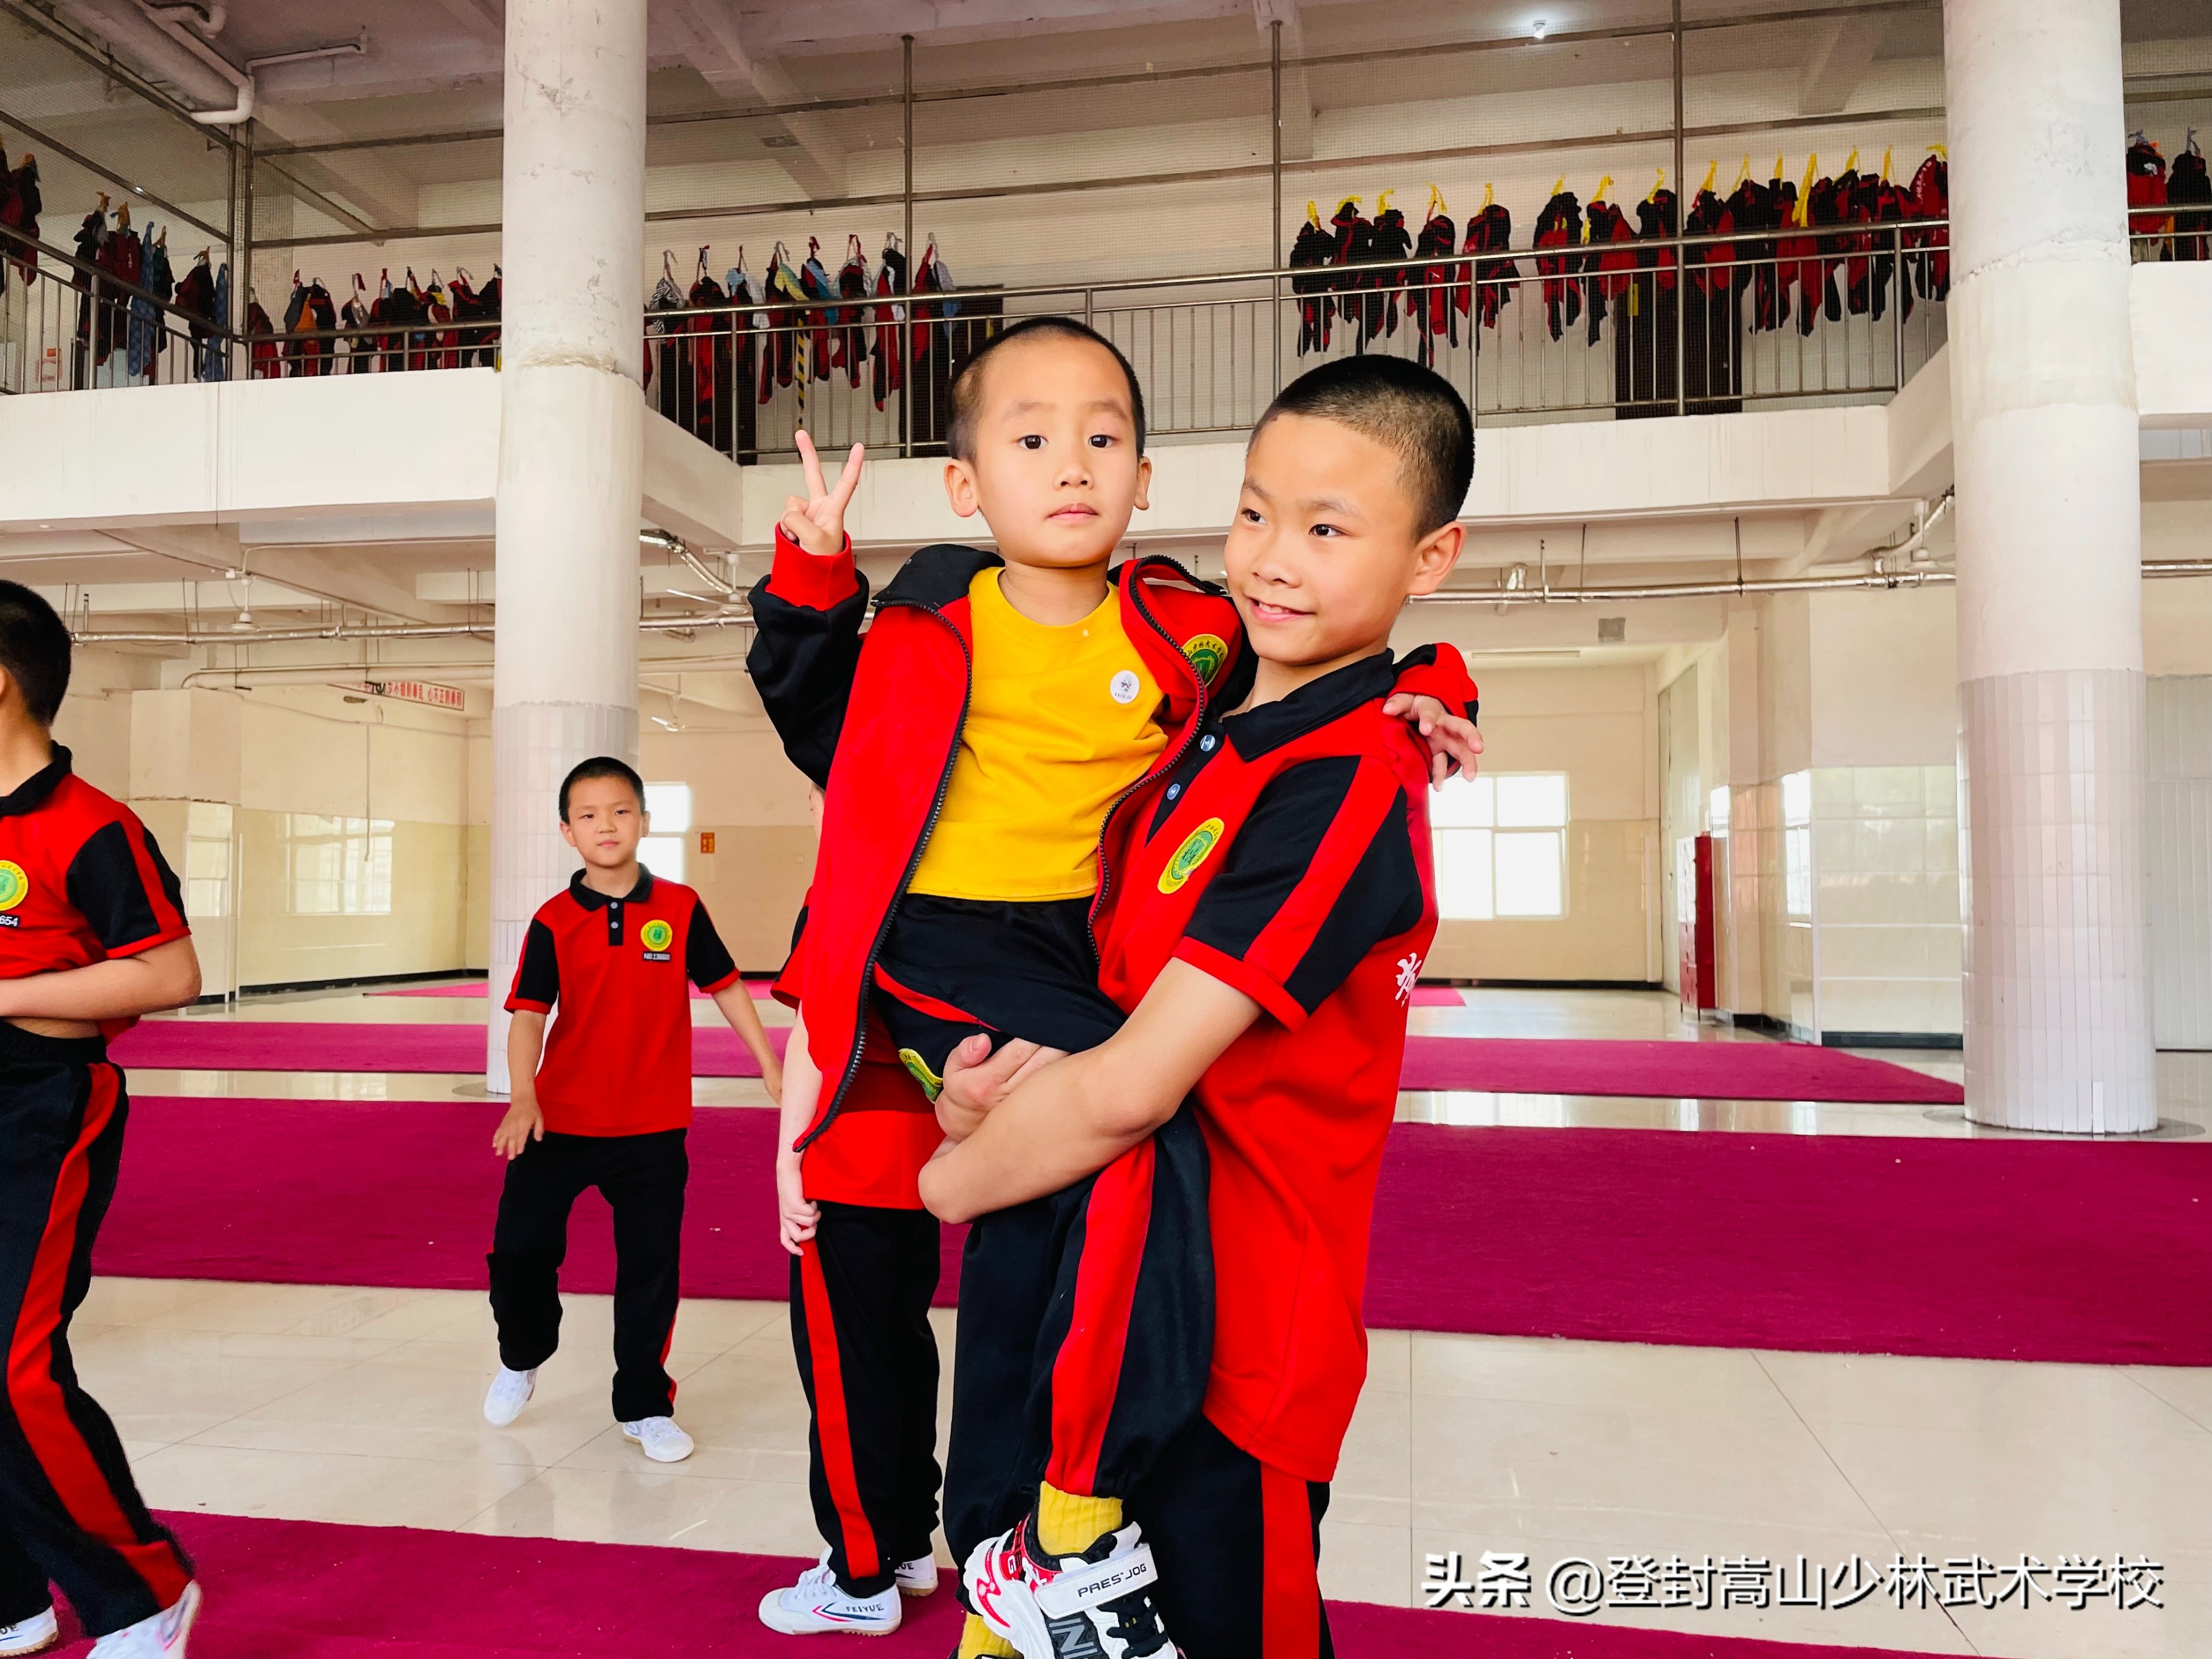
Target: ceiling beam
x: 1840, y: 59
x: 816, y: 159
x: 484, y: 18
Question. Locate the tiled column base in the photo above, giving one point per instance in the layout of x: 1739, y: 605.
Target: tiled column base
x: 534, y: 744
x: 2058, y: 1003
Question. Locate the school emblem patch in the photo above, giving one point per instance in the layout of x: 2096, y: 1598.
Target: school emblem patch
x: 1192, y: 853
x: 932, y: 1084
x: 656, y: 935
x: 14, y: 885
x: 1207, y: 652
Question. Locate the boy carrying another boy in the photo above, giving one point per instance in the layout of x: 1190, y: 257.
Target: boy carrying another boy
x: 92, y: 934
x: 609, y: 1104
x: 970, y: 753
x: 1264, y: 911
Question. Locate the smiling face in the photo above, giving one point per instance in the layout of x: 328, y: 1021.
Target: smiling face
x: 1053, y: 463
x: 605, y: 822
x: 1327, y: 544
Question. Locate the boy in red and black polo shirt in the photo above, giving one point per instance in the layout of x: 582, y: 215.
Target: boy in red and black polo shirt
x: 92, y: 935
x: 609, y: 1104
x: 1266, y: 910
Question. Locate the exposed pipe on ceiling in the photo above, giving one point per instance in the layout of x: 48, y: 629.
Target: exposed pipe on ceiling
x: 169, y: 20
x: 1926, y: 576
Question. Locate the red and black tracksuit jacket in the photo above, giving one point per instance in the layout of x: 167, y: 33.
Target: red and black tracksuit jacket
x: 880, y: 727
x: 81, y: 881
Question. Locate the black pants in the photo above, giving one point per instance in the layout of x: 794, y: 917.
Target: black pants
x: 867, y: 1357
x: 1085, y: 1336
x: 70, y: 1512
x: 642, y: 1179
x: 1238, y: 1546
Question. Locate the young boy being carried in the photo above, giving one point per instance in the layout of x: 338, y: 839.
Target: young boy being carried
x: 970, y: 753
x: 1264, y: 912
x: 605, y: 1101
x: 92, y: 934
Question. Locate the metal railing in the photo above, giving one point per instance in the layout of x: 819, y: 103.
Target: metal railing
x: 67, y: 326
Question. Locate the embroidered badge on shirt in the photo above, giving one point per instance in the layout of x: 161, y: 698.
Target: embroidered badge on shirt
x: 1409, y: 976
x: 1123, y: 687
x: 656, y: 936
x: 1207, y: 652
x: 14, y: 885
x: 1192, y: 853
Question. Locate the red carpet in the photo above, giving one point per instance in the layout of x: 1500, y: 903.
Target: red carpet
x: 1974, y: 1248
x: 300, y: 1590
x: 477, y: 987
x: 1713, y: 1071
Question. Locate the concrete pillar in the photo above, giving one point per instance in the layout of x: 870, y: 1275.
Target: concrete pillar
x: 571, y: 456
x: 2050, y: 680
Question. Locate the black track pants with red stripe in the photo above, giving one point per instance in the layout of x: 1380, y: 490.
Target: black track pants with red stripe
x: 860, y: 1323
x: 642, y: 1178
x: 1085, y: 1336
x: 1238, y: 1547
x: 70, y: 1512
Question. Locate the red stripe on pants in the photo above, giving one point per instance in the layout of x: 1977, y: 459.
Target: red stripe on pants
x: 67, y: 1460
x: 830, y: 1420
x: 1087, y: 1373
x: 1290, y: 1606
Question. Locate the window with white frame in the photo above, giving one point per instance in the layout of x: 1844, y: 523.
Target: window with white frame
x: 339, y: 867
x: 1500, y: 841
x: 668, y: 807
x: 1798, y: 843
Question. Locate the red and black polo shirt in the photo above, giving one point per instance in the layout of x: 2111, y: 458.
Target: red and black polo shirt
x: 618, y: 1061
x: 1287, y: 853
x: 81, y: 880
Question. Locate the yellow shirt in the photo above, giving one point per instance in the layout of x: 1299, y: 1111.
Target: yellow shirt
x: 1060, y: 721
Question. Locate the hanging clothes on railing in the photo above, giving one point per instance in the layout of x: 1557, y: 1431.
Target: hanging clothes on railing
x: 1646, y: 372
x: 2147, y: 214
x: 2189, y: 194
x: 476, y: 309
x: 712, y: 380
x: 1825, y: 206
x: 931, y: 277
x: 216, y: 354
x: 1560, y: 226
x: 815, y: 282
x: 147, y: 329
x: 664, y: 359
x: 1432, y: 305
x: 446, y: 342
x: 1609, y: 259
x: 265, y: 364
x: 92, y: 327
x: 1392, y: 241
x: 195, y: 299
x: 357, y: 313
x: 1313, y: 247
x: 1493, y: 278
x: 891, y: 361
x: 744, y: 335
x: 791, y: 329
x: 1354, y: 242
x: 1930, y: 193
x: 20, y: 204
x: 850, y: 342
x: 1872, y: 200
x: 1756, y: 206
x: 1712, y: 366
x: 309, y: 308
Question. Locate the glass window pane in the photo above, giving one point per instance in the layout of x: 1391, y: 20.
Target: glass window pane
x: 1797, y: 870
x: 1463, y: 803
x: 1797, y: 798
x: 1529, y: 873
x: 1533, y: 800
x: 662, y: 855
x: 670, y: 806
x: 1463, y: 861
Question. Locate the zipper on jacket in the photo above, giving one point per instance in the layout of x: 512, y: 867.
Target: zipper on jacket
x: 829, y: 1113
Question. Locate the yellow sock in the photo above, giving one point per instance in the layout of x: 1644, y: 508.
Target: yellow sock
x: 979, y: 1641
x: 1069, y: 1525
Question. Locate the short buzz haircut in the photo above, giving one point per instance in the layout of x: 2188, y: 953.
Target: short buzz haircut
x: 601, y: 766
x: 1405, y: 407
x: 34, y: 649
x: 968, y: 384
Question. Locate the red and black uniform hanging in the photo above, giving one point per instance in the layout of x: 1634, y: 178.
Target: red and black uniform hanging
x: 1646, y: 373
x: 1494, y: 278
x: 1559, y: 226
x: 1432, y: 305
x: 1609, y: 260
x: 2146, y: 194
x: 1929, y: 197
x: 891, y: 361
x: 20, y: 204
x: 1391, y: 242
x: 850, y: 344
x: 1313, y: 247
x: 1712, y: 366
x: 2189, y: 194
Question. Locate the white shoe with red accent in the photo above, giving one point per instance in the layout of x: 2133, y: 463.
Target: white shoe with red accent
x: 162, y: 1637
x: 1097, y: 1605
x: 33, y: 1635
x: 816, y: 1606
x: 917, y: 1576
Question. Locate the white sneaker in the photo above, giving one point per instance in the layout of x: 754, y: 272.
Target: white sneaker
x: 917, y: 1576
x: 815, y: 1607
x: 659, y: 1438
x: 162, y: 1637
x: 510, y: 1392
x: 33, y: 1635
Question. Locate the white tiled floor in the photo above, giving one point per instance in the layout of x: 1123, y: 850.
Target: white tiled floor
x: 344, y: 1404
x: 362, y: 1405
